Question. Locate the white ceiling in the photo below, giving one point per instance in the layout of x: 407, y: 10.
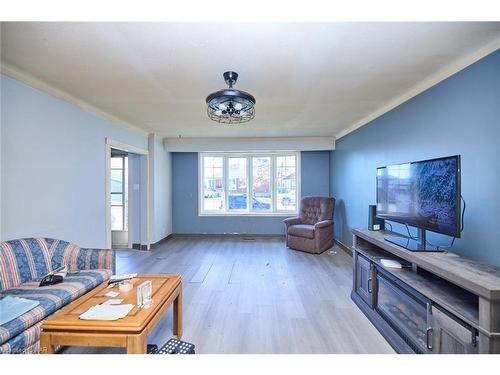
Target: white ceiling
x: 309, y: 79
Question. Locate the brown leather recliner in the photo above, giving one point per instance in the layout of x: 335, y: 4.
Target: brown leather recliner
x: 312, y: 230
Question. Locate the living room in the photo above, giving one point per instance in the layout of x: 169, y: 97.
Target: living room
x: 300, y: 188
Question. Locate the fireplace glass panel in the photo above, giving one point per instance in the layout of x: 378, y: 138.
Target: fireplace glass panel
x: 406, y: 314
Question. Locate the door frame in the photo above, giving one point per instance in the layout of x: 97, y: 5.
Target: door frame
x: 109, y: 144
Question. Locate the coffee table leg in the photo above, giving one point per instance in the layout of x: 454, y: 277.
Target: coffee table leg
x: 46, y: 343
x: 178, y: 315
x: 136, y: 344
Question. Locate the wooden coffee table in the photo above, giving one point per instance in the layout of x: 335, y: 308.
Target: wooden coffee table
x: 66, y: 329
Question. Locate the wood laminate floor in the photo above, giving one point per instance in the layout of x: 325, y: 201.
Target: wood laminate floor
x: 257, y: 297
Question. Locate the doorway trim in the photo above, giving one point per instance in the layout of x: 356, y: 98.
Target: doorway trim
x: 109, y: 144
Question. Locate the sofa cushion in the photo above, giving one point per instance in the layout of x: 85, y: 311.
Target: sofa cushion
x: 301, y: 230
x: 27, y: 342
x: 51, y: 299
x: 29, y: 259
x: 22, y: 261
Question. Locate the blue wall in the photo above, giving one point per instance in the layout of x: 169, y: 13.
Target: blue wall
x: 315, y: 174
x: 52, y: 166
x: 460, y: 115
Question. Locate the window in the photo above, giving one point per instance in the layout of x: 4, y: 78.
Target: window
x: 119, y: 193
x: 213, y: 185
x: 286, y: 182
x: 237, y: 186
x: 249, y: 183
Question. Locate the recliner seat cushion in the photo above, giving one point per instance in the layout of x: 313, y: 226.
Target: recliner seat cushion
x: 301, y: 230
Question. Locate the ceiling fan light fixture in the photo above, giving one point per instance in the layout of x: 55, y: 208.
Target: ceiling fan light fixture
x: 230, y: 106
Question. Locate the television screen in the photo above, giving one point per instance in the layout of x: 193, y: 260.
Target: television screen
x: 424, y: 194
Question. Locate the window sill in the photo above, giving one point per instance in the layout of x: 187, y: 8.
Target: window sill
x: 250, y: 214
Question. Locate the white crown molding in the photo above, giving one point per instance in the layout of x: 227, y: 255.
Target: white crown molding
x: 38, y: 84
x: 439, y: 76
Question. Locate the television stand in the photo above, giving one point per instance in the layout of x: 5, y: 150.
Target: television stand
x: 414, y: 244
x: 442, y: 304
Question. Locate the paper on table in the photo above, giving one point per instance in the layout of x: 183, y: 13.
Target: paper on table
x: 123, y: 276
x: 112, y: 302
x: 107, y: 312
x: 111, y: 294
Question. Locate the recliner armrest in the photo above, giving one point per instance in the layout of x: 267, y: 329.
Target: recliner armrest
x: 323, y: 224
x: 292, y: 221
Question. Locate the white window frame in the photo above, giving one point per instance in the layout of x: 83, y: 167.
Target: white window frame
x: 249, y: 156
x: 123, y: 194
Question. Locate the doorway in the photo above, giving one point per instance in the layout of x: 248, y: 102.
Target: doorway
x: 127, y: 197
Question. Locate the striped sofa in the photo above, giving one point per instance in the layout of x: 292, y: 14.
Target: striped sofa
x: 24, y: 262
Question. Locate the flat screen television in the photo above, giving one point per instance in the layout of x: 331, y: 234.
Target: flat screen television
x: 423, y: 194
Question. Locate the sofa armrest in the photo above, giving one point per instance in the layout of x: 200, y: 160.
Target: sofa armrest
x: 88, y: 259
x: 323, y: 224
x: 292, y: 221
